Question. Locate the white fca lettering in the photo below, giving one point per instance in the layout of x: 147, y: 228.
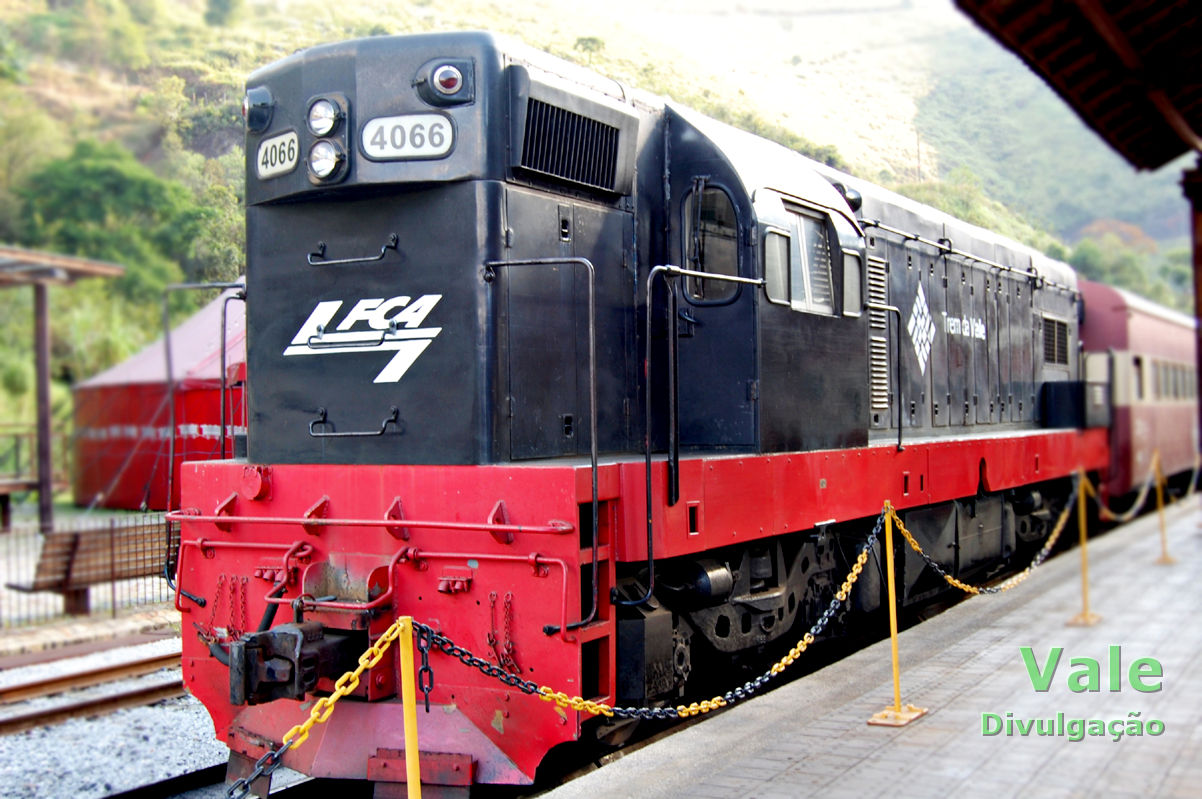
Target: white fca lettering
x: 398, y: 332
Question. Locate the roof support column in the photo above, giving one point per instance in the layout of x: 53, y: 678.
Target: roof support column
x: 41, y: 338
x: 1191, y: 182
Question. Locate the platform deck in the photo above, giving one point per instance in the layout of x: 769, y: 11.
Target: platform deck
x: 810, y: 737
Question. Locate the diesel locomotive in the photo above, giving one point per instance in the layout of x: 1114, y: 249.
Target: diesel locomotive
x: 604, y: 391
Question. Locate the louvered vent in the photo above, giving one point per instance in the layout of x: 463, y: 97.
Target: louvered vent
x: 569, y: 146
x: 878, y: 346
x: 878, y: 354
x: 878, y: 291
x: 1055, y: 341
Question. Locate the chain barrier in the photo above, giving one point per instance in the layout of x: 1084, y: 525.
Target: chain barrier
x: 320, y: 712
x: 1153, y: 479
x: 428, y: 638
x: 1140, y: 500
x: 1011, y: 582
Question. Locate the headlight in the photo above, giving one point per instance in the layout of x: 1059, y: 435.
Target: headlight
x: 323, y: 117
x: 325, y: 158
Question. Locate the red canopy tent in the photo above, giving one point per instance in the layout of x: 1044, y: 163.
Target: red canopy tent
x: 123, y: 415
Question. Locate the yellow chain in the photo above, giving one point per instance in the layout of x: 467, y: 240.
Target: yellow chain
x: 347, y: 683
x: 578, y: 703
x: 1012, y: 581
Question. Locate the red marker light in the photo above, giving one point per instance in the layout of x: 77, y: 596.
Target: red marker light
x: 448, y: 80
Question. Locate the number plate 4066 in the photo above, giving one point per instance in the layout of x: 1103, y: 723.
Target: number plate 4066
x: 409, y: 136
x: 278, y: 155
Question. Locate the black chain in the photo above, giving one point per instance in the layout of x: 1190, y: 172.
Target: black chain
x: 1037, y: 561
x: 745, y: 691
x: 264, y: 766
x: 428, y: 637
x: 425, y: 675
x: 984, y: 589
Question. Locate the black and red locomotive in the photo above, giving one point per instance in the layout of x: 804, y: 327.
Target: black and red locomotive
x: 602, y: 390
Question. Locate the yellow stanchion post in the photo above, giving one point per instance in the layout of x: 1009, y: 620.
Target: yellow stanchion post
x: 1084, y: 618
x: 895, y: 716
x: 409, y: 701
x: 1165, y: 558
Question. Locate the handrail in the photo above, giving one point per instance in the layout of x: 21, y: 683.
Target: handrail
x: 667, y: 270
x: 553, y: 527
x: 489, y: 275
x: 945, y: 246
x: 414, y: 555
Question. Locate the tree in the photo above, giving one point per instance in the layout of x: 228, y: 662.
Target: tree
x: 590, y: 45
x: 101, y: 203
x: 23, y: 121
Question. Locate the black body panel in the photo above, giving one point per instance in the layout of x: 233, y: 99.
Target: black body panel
x: 379, y: 335
x: 352, y: 367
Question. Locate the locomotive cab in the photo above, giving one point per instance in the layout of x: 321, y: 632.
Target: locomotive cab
x: 386, y: 185
x: 778, y: 366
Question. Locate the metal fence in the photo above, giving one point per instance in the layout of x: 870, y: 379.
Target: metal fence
x: 19, y: 454
x: 94, y: 566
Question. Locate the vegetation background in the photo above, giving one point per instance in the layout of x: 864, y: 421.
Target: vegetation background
x: 121, y: 137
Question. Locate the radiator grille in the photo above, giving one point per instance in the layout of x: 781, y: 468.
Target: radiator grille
x: 878, y: 292
x: 878, y: 356
x: 1055, y: 341
x: 878, y: 346
x: 569, y: 146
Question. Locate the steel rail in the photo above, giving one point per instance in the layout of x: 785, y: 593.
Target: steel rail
x: 130, y: 697
x: 87, y: 678
x: 179, y: 785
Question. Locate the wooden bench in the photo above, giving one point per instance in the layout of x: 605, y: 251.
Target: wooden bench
x: 71, y: 561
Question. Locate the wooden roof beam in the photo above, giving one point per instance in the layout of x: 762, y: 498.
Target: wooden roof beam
x: 1106, y: 27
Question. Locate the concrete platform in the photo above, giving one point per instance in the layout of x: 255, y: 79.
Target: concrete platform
x: 810, y: 738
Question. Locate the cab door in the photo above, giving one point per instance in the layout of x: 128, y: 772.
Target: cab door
x: 546, y: 323
x: 715, y: 325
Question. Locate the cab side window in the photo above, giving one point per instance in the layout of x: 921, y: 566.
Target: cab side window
x: 711, y: 243
x: 797, y: 265
x: 815, y: 246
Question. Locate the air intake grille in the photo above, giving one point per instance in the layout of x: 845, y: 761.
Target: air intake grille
x: 878, y: 354
x: 878, y: 346
x: 567, y: 145
x: 1055, y: 341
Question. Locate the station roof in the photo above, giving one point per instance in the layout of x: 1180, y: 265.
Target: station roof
x: 1131, y: 69
x: 21, y: 267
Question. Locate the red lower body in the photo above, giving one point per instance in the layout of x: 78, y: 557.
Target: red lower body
x: 491, y: 555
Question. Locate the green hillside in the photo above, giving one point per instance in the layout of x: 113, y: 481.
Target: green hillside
x: 121, y: 136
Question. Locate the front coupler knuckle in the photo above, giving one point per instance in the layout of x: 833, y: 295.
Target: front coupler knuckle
x: 285, y: 662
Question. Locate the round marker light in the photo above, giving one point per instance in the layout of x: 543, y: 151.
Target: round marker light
x: 448, y: 80
x: 324, y: 159
x: 323, y: 116
x: 257, y: 106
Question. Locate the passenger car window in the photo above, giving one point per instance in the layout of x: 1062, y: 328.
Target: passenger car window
x: 711, y: 239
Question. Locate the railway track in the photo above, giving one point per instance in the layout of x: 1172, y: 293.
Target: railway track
x: 91, y: 703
